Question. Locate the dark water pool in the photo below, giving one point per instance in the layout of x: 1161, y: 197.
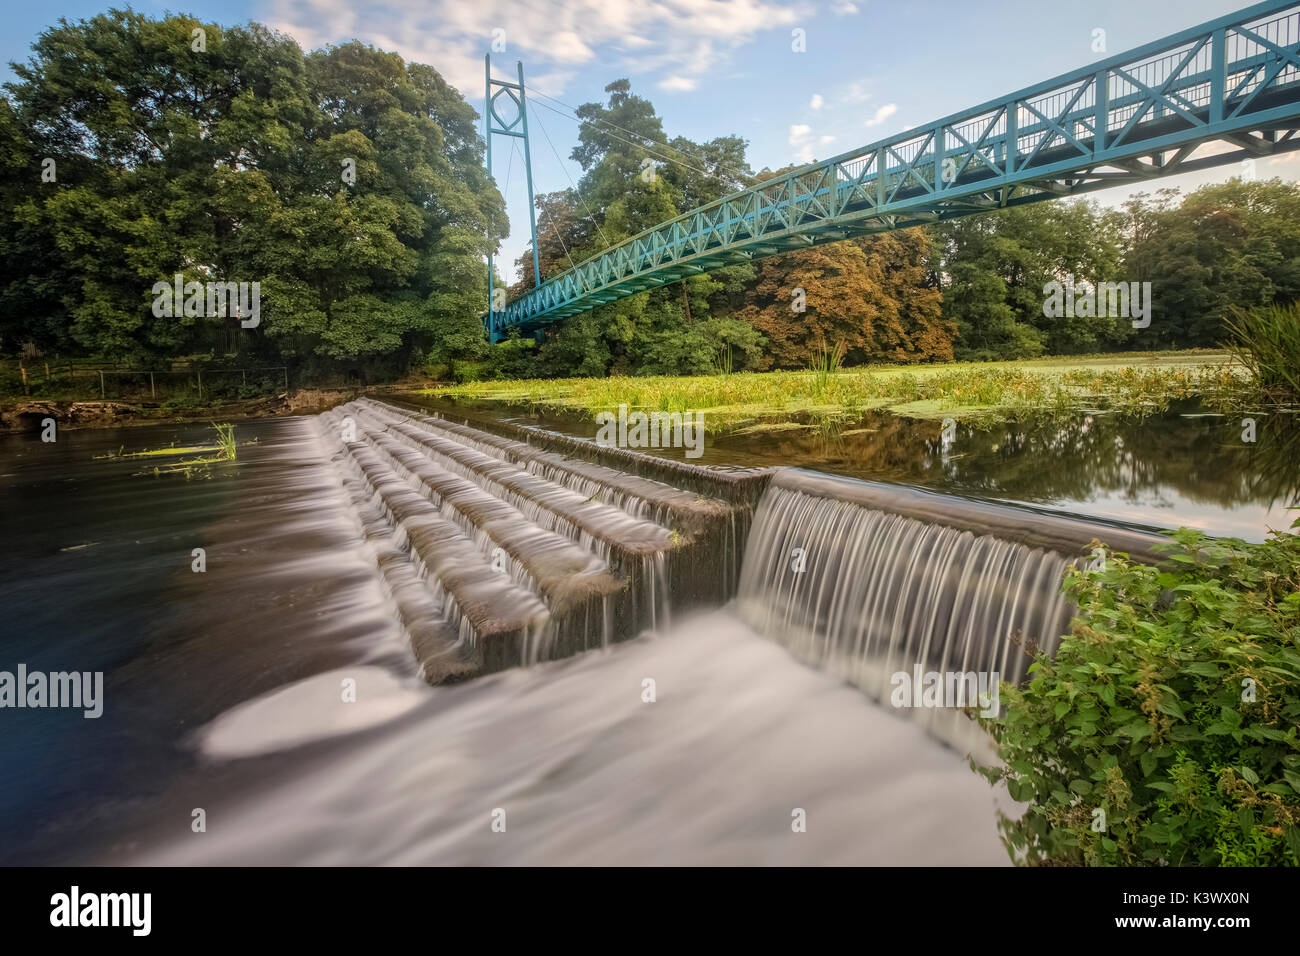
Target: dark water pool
x: 96, y: 575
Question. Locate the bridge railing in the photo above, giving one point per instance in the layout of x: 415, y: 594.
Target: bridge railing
x: 1239, y: 72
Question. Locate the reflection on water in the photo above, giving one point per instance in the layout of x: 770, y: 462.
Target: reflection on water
x: 1184, y: 467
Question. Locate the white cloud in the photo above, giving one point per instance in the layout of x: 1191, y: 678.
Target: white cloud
x: 802, y: 141
x: 857, y: 93
x: 683, y: 39
x: 567, y: 47
x: 553, y: 83
x: 677, y: 84
x: 817, y: 101
x: 882, y: 114
x: 843, y: 7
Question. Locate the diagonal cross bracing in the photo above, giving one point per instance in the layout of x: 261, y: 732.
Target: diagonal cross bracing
x: 1233, y: 82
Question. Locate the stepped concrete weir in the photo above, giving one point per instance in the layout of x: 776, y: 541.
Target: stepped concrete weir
x: 500, y: 552
x: 504, y: 545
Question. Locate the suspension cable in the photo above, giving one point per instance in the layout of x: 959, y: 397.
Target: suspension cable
x: 720, y: 167
x: 590, y: 216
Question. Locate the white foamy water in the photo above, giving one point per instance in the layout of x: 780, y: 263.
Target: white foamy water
x: 586, y: 772
x: 326, y: 705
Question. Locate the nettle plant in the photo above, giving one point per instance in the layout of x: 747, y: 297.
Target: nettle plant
x: 1166, y: 728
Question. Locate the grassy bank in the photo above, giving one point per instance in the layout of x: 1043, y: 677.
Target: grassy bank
x: 1135, y: 384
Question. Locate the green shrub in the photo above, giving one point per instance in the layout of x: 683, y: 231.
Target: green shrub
x: 1172, y: 708
x: 182, y: 402
x: 463, y: 372
x: 513, y: 358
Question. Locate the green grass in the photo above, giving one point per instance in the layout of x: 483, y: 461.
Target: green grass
x: 224, y: 449
x: 1135, y: 384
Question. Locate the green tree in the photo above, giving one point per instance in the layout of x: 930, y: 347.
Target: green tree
x: 1228, y: 245
x: 235, y: 164
x: 995, y: 268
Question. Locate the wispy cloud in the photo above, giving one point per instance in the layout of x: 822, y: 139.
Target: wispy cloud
x: 856, y: 93
x: 817, y: 101
x: 882, y: 114
x: 682, y: 39
x: 803, y: 141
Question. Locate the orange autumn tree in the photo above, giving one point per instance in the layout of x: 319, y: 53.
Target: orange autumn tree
x: 908, y: 324
x: 870, y: 293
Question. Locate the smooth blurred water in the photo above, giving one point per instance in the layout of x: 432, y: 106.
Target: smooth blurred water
x: 583, y: 770
x: 223, y: 692
x: 95, y: 575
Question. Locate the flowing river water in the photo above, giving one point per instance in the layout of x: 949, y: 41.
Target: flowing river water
x: 282, y: 692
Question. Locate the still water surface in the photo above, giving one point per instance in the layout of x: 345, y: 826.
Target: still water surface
x: 1186, y: 467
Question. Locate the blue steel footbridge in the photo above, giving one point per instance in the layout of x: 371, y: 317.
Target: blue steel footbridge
x: 1218, y: 93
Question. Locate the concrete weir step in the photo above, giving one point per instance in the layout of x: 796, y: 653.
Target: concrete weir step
x: 498, y: 553
x: 640, y: 497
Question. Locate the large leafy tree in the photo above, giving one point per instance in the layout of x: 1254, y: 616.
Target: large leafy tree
x: 996, y: 266
x: 1233, y: 244
x: 227, y: 163
x: 634, y: 178
x: 869, y: 294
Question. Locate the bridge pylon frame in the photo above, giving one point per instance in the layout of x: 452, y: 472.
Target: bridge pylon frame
x: 495, y: 124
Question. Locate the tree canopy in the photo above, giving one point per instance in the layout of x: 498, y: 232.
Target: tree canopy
x: 231, y: 163
x: 350, y: 185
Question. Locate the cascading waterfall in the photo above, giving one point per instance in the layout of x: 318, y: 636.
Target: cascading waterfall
x: 869, y: 595
x: 523, y: 554
x: 529, y: 553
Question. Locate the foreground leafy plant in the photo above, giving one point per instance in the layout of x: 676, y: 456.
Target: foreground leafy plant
x: 1166, y: 727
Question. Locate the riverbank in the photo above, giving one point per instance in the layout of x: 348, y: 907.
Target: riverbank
x: 1134, y: 384
x: 24, y: 415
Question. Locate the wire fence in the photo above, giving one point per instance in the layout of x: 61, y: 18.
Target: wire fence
x: 105, y: 382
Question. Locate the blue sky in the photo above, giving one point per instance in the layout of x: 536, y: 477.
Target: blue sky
x: 713, y: 67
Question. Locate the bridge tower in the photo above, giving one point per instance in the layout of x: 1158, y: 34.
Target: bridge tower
x: 494, y: 122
